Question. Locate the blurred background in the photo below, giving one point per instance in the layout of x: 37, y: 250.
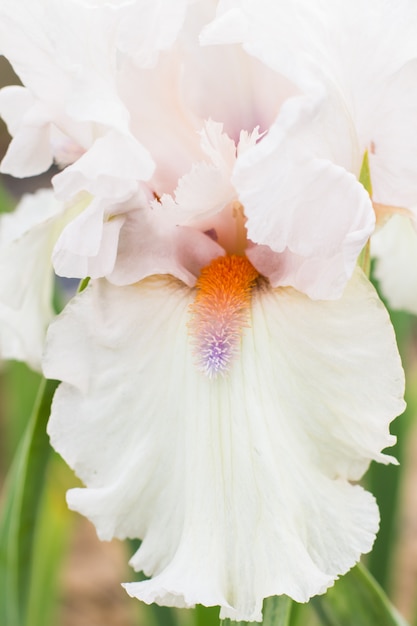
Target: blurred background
x: 76, y: 578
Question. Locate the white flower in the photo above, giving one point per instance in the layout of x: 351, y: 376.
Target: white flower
x: 27, y: 237
x: 233, y: 372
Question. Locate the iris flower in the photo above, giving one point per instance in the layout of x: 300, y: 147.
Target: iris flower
x: 222, y: 425
x: 229, y: 373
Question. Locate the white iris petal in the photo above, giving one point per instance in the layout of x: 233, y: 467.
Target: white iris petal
x: 395, y: 249
x: 363, y: 61
x: 237, y: 486
x: 27, y: 237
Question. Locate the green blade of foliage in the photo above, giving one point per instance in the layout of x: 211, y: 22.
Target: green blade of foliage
x: 7, y: 202
x: 276, y: 612
x: 53, y: 533
x: 365, y: 174
x: 304, y: 615
x: 384, y: 481
x: 206, y: 616
x: 163, y: 615
x: 19, y: 390
x: 364, y: 260
x: 356, y: 600
x: 20, y: 510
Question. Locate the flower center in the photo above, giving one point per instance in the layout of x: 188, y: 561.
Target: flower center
x: 220, y: 312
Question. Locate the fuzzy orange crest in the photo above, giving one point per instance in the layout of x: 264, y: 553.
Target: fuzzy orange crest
x: 221, y: 311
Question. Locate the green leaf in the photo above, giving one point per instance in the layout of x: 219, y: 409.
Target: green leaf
x: 385, y: 481
x: 7, y: 202
x: 276, y: 612
x: 52, y: 539
x: 356, y: 600
x: 17, y: 405
x: 206, y: 616
x: 365, y: 174
x: 83, y: 284
x: 304, y: 615
x: 20, y: 511
x: 364, y: 260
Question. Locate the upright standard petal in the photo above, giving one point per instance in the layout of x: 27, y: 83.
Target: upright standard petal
x: 364, y: 57
x: 238, y: 485
x: 303, y: 204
